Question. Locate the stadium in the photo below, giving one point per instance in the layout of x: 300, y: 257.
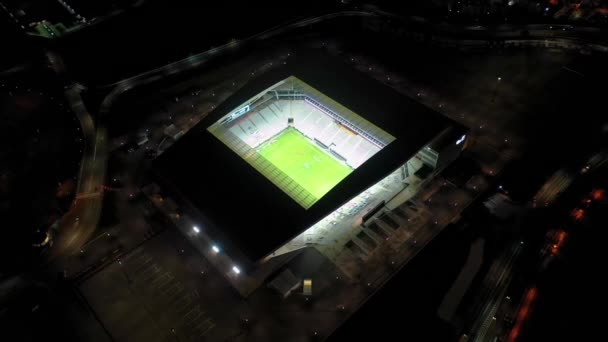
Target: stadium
x: 303, y: 155
x: 297, y: 142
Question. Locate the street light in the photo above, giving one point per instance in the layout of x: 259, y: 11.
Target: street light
x: 196, y: 229
x: 215, y: 249
x: 236, y: 270
x: 496, y: 88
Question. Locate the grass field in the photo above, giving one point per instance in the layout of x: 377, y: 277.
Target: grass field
x: 304, y: 162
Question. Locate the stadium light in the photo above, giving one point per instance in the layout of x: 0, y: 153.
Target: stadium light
x: 236, y: 270
x: 459, y: 141
x: 196, y: 229
x: 215, y: 249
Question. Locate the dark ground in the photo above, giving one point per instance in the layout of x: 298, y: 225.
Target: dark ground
x: 127, y: 45
x: 407, y: 305
x: 570, y: 291
x: 40, y: 148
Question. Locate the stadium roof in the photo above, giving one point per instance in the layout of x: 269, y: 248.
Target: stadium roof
x: 255, y: 217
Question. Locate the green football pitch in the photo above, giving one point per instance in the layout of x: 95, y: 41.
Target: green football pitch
x: 304, y: 162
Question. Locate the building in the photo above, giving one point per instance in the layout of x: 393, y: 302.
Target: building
x: 300, y: 153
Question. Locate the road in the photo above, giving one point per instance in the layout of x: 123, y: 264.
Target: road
x: 78, y: 225
x: 495, y: 285
x: 496, y: 305
x: 198, y: 59
x: 512, y: 32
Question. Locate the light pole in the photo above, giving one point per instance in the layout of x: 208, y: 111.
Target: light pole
x: 496, y: 88
x: 174, y: 334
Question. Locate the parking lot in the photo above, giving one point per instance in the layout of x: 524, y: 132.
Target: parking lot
x: 167, y: 288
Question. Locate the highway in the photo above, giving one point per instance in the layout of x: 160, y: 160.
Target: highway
x: 500, y: 31
x: 495, y: 285
x: 486, y: 328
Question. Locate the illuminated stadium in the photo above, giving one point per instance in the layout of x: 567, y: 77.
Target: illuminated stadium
x: 300, y: 156
x: 290, y: 135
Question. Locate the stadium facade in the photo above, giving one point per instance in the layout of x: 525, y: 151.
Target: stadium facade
x: 297, y: 149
